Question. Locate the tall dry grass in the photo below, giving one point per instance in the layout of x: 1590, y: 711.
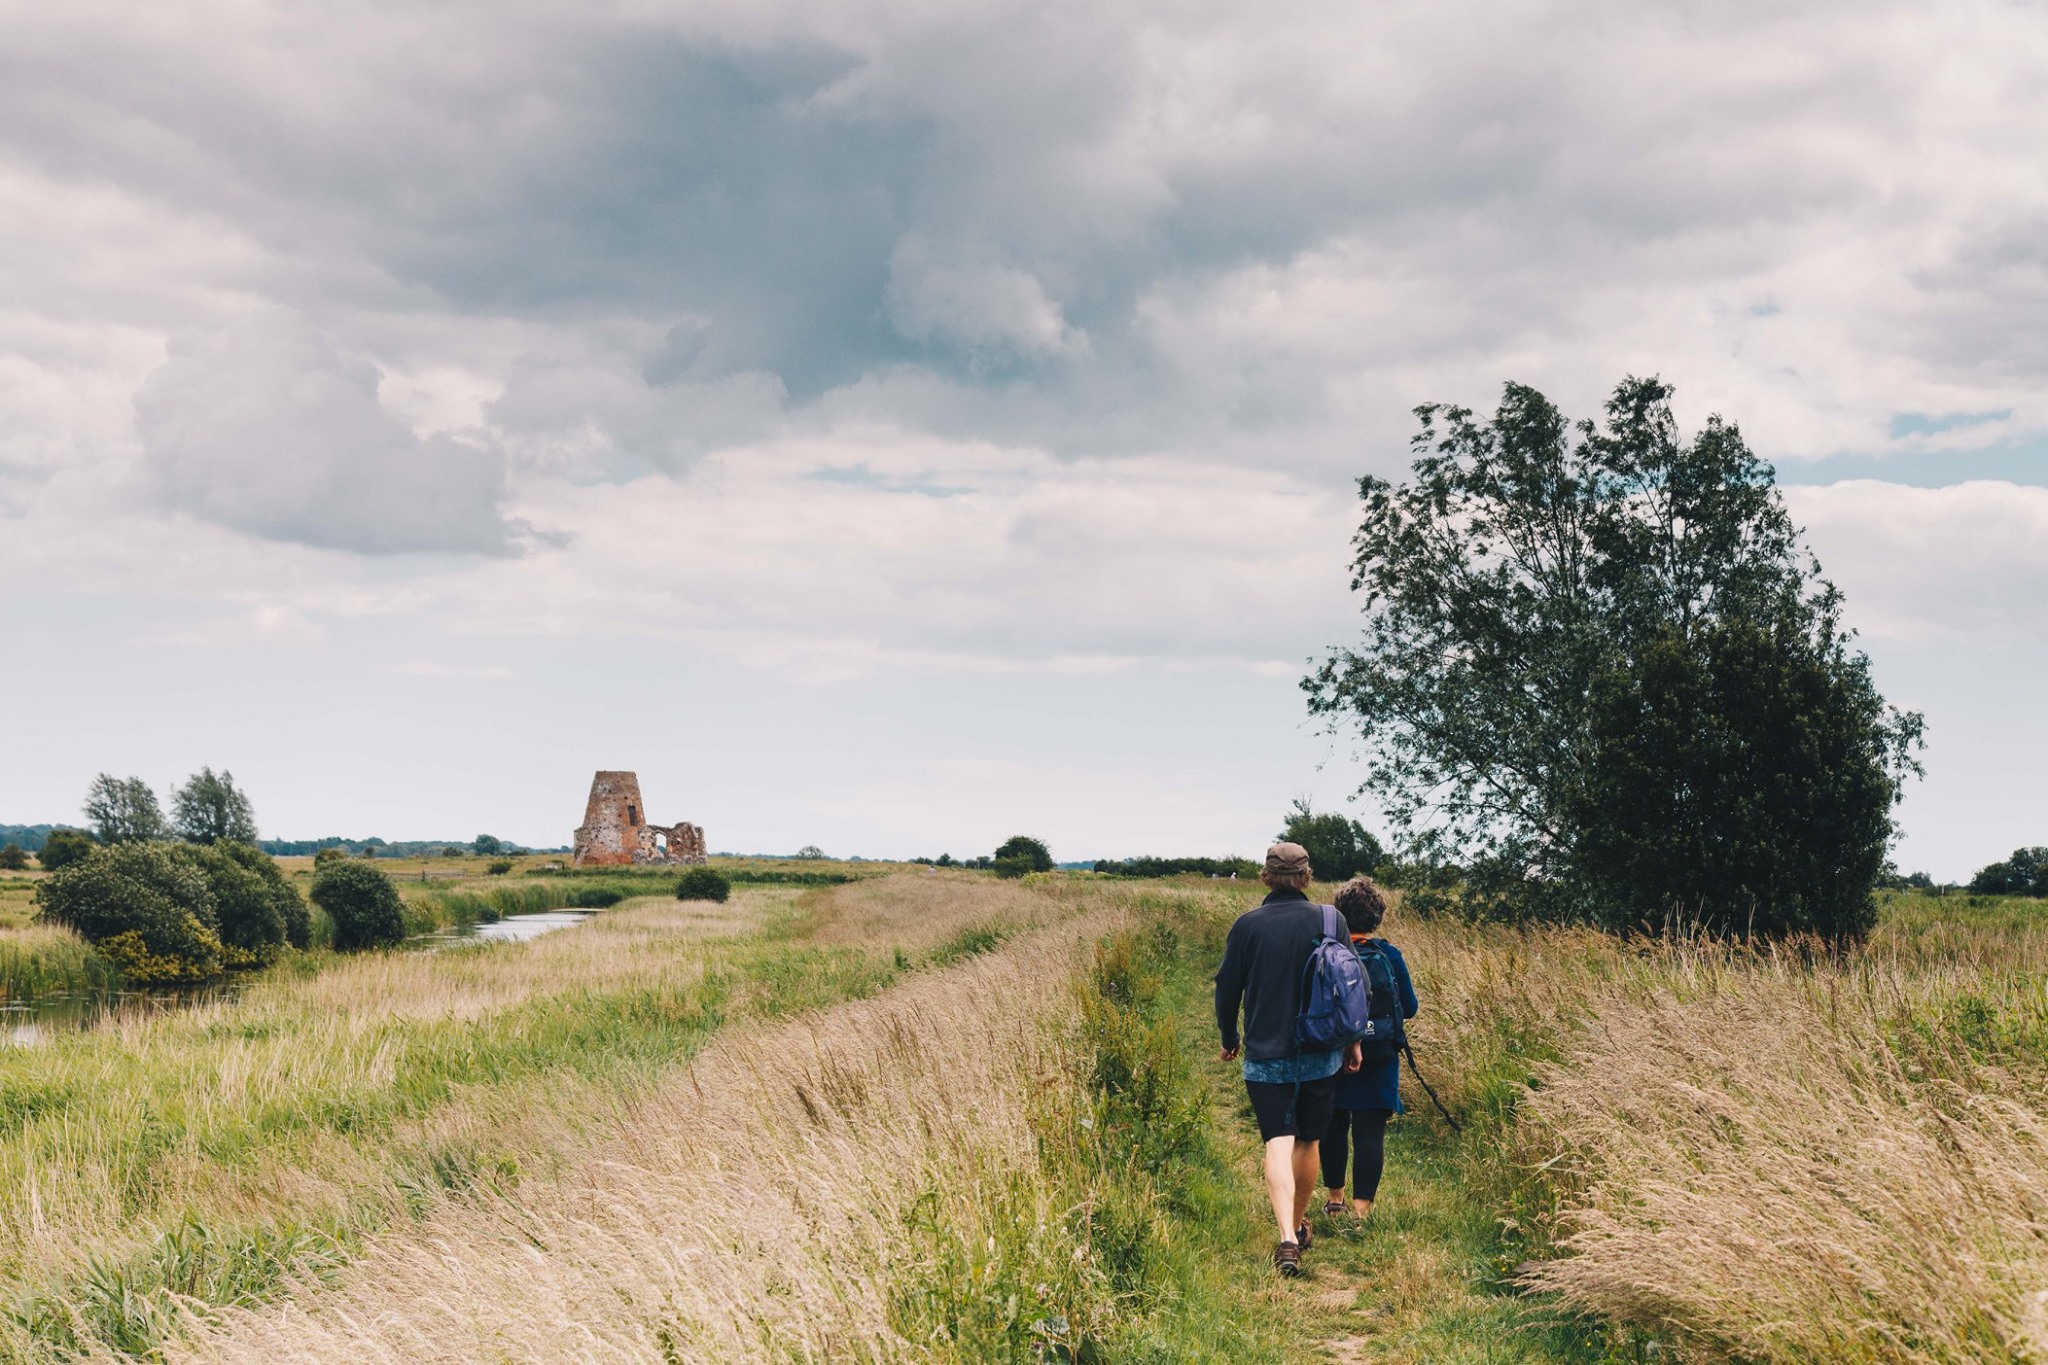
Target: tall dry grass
x: 1766, y: 1175
x: 213, y: 1152
x: 770, y: 1205
x: 1765, y: 1156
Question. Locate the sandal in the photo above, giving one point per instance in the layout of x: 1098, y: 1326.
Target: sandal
x: 1304, y: 1236
x: 1335, y: 1208
x: 1287, y: 1259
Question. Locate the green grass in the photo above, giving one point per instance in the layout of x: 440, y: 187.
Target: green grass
x: 17, y: 899
x: 140, y: 1142
x: 40, y: 961
x: 218, y: 1154
x: 1426, y: 1280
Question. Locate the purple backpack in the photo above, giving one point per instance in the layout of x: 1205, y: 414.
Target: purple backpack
x: 1336, y: 1000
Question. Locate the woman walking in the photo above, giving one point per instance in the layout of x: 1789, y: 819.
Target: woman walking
x: 1370, y: 1096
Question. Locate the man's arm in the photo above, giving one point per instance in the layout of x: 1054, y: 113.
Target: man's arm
x: 1230, y: 991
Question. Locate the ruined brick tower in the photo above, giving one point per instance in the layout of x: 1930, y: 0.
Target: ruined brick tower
x: 615, y: 828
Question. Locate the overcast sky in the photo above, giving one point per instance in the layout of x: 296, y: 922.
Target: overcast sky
x: 894, y: 425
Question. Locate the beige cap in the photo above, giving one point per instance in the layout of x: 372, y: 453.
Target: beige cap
x: 1287, y: 858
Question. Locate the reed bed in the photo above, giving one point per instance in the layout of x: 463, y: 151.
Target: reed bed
x: 429, y: 908
x: 46, y: 959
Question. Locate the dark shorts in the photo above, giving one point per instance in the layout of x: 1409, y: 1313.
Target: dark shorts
x: 1300, y: 1110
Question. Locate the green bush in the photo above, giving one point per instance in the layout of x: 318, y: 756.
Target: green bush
x: 604, y: 897
x: 702, y: 884
x: 64, y: 847
x: 362, y: 903
x: 146, y: 906
x: 12, y: 859
x: 329, y: 855
x: 498, y: 867
x: 257, y: 911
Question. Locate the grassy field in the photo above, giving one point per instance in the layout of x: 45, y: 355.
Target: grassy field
x: 940, y: 1117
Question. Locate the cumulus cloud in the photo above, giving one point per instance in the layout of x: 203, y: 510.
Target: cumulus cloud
x: 1966, y: 564
x: 873, y: 550
x: 986, y: 308
x: 268, y: 428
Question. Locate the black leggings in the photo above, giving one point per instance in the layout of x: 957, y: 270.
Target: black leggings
x: 1366, y: 1130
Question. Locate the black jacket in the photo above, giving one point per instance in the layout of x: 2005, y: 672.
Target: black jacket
x: 1263, y: 962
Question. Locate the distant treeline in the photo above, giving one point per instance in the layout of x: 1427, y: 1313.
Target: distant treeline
x: 769, y: 876
x: 1174, y: 867
x: 405, y: 848
x: 28, y: 838
x: 737, y: 876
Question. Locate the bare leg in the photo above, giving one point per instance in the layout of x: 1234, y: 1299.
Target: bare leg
x: 1361, y: 1207
x: 1281, y: 1164
x: 1308, y: 1169
x: 1336, y: 1195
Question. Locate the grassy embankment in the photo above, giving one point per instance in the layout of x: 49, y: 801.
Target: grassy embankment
x: 214, y: 1151
x: 1028, y: 1155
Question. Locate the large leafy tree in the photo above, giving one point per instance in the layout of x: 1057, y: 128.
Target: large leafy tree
x: 1741, y: 781
x: 210, y: 807
x: 124, y: 810
x: 1338, y: 846
x: 1599, y: 672
x: 1021, y: 854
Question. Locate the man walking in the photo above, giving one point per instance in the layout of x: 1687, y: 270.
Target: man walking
x: 1292, y: 1091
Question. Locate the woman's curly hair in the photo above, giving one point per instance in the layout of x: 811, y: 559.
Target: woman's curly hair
x: 1362, y: 904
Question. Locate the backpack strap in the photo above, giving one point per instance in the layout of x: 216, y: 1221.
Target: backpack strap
x: 1333, y: 927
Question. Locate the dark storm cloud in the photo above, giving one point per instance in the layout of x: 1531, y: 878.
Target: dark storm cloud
x: 1252, y: 236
